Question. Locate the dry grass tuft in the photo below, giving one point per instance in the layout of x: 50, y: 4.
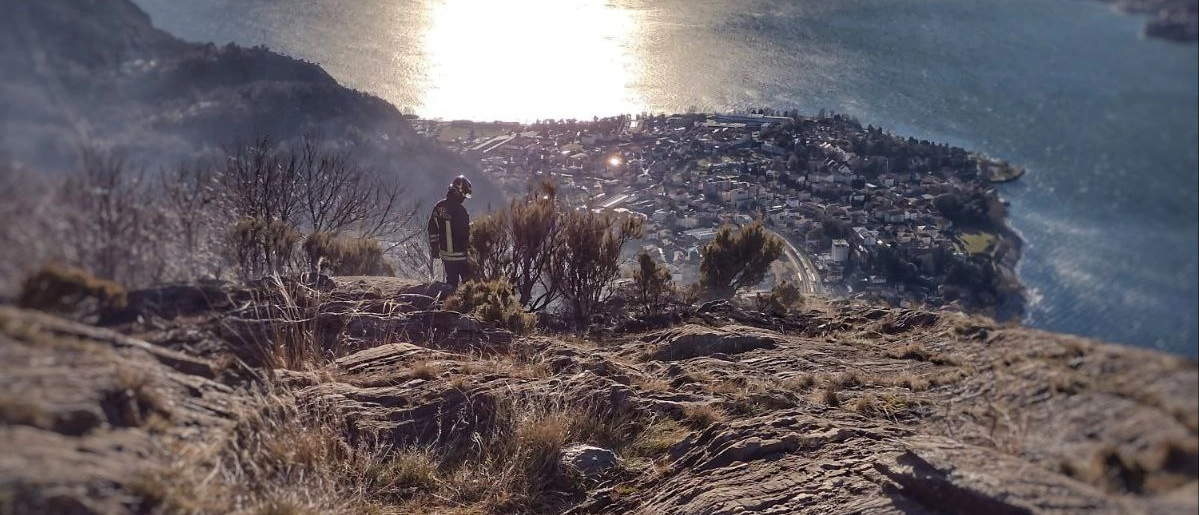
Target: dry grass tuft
x: 887, y: 405
x: 651, y: 383
x: 846, y: 379
x: 700, y: 416
x: 916, y: 351
x: 657, y: 438
x: 15, y: 411
x: 423, y: 370
x: 798, y: 382
x: 135, y: 401
x: 828, y: 395
x: 913, y: 351
x: 290, y: 455
x: 72, y: 292
x: 912, y: 382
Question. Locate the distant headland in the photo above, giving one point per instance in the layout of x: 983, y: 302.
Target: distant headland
x: 1174, y: 20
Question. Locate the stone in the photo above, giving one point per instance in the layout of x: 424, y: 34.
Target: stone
x: 590, y: 461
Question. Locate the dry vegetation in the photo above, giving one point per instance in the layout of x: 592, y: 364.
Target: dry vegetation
x: 244, y: 216
x: 293, y: 456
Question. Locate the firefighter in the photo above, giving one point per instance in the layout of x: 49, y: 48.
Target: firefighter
x: 449, y: 232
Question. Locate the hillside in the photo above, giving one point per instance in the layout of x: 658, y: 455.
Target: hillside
x: 272, y: 398
x: 97, y: 73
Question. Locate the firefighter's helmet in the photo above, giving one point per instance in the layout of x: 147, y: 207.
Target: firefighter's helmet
x: 461, y: 185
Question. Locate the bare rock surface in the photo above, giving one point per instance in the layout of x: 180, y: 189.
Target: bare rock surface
x: 86, y: 412
x: 848, y: 409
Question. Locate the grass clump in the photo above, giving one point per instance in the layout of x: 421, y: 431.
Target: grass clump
x: 492, y: 302
x: 828, y: 395
x: 700, y: 416
x: 14, y: 411
x: 798, y: 382
x: 657, y: 438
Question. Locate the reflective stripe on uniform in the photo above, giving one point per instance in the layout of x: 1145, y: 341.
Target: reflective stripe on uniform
x: 453, y: 256
x: 449, y: 236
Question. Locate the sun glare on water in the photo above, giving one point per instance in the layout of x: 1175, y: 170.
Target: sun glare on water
x: 519, y: 60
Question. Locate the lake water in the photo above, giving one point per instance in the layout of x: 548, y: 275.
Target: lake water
x: 1104, y: 120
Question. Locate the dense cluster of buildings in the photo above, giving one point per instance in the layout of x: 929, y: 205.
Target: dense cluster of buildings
x: 838, y: 191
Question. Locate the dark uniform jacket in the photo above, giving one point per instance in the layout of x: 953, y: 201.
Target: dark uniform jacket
x: 449, y: 229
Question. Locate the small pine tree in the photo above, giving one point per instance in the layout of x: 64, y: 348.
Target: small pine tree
x: 651, y: 284
x: 784, y: 298
x: 737, y: 258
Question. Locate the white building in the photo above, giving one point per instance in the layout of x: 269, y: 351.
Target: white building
x: 840, y: 251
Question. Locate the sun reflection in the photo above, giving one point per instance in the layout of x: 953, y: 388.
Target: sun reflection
x: 519, y: 60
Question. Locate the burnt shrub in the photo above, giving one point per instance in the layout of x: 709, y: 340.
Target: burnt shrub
x: 588, y: 258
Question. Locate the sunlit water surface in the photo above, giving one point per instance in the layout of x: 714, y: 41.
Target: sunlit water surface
x: 1105, y: 120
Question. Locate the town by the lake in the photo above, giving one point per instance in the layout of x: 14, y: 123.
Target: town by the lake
x: 866, y: 214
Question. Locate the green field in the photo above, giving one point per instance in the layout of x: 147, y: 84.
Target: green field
x: 978, y: 243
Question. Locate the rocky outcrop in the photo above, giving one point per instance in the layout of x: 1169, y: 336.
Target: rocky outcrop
x: 693, y: 341
x: 86, y: 413
x: 850, y: 409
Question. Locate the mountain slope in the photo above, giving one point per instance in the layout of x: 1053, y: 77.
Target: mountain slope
x: 97, y: 73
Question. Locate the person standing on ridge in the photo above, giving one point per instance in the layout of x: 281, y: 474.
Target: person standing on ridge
x: 449, y: 232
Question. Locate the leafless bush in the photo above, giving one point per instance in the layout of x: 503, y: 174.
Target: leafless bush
x: 261, y: 183
x: 27, y: 209
x: 110, y: 222
x: 310, y: 186
x: 249, y: 210
x: 588, y: 258
x: 337, y: 195
x: 195, y: 212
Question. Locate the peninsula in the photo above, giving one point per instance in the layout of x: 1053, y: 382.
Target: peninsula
x: 146, y: 377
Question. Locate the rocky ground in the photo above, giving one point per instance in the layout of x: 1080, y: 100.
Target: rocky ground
x: 359, y: 397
